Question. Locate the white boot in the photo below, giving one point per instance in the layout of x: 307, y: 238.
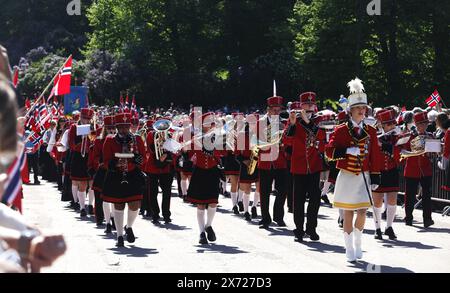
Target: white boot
x: 349, y: 250
x: 358, y: 250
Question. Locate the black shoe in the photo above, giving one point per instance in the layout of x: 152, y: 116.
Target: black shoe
x: 390, y: 232
x: 37, y: 182
x: 113, y: 224
x: 77, y: 206
x: 290, y: 210
x: 120, y: 242
x: 148, y: 214
x: 254, y: 213
x: 130, y: 235
x: 90, y: 209
x: 211, y: 235
x: 227, y: 194
x: 299, y: 235
x: 378, y: 234
x: 281, y: 223
x: 108, y: 229
x: 155, y: 220
x: 99, y: 222
x: 325, y: 199
x: 247, y: 217
x: 141, y: 212
x: 83, y: 213
x: 341, y: 223
x: 236, y: 210
x: 408, y: 222
x: 263, y: 224
x: 428, y: 223
x: 241, y: 206
x: 203, y: 239
x: 168, y: 220
x: 313, y: 235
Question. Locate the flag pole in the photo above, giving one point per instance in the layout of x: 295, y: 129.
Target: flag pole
x: 47, y: 87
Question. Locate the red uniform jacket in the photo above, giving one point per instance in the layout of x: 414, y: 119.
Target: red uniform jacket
x: 447, y: 144
x: 308, y: 145
x: 367, y: 141
x: 112, y: 146
x: 272, y: 157
x: 75, y: 140
x: 419, y: 166
x: 390, y: 153
x: 151, y: 165
x: 95, y: 160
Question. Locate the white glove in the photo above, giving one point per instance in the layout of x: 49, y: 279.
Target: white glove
x: 374, y: 186
x: 354, y: 151
x: 443, y: 164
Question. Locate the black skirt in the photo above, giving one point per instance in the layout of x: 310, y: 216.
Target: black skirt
x: 99, y: 179
x: 118, y: 190
x: 78, y: 167
x: 204, y: 186
x: 231, y: 165
x: 389, y: 181
x: 244, y: 177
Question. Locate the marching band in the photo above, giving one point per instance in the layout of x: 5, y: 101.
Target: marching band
x: 117, y: 160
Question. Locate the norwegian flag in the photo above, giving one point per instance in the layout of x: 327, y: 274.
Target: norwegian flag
x: 55, y: 107
x: 27, y: 104
x: 14, y: 183
x: 43, y: 111
x: 134, y: 111
x: 434, y: 99
x: 62, y: 81
x: 16, y: 77
x: 127, y: 105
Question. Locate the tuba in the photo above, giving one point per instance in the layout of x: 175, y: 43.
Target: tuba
x: 161, y: 128
x: 128, y: 144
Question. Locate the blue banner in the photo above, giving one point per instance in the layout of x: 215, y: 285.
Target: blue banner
x: 76, y: 100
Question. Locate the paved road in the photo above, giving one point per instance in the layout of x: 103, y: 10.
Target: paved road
x: 240, y: 246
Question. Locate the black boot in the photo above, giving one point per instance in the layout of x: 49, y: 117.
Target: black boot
x: 130, y: 235
x: 378, y: 234
x: 254, y: 213
x: 120, y: 242
x: 236, y: 210
x: 211, y: 234
x: 108, y: 229
x: 203, y: 239
x: 241, y: 206
x: 299, y: 235
x: 90, y: 209
x: 312, y: 234
x: 83, y: 213
x: 325, y: 199
x: 390, y: 232
x: 247, y: 217
x: 428, y: 223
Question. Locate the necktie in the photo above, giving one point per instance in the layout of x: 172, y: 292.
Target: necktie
x: 357, y: 130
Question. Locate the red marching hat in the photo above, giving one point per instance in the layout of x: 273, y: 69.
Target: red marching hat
x: 308, y: 98
x: 122, y: 119
x: 421, y: 117
x: 87, y: 113
x: 386, y: 116
x: 275, y: 101
x: 296, y: 106
x: 108, y: 121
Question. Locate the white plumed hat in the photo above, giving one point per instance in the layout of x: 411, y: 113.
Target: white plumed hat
x: 357, y: 96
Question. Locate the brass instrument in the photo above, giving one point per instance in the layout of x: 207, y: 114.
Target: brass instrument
x: 128, y: 148
x: 254, y: 156
x: 161, y: 128
x: 417, y: 147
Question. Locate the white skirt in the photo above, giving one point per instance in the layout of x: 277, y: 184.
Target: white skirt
x: 350, y: 192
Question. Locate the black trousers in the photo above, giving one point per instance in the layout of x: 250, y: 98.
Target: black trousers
x: 178, y: 176
x: 99, y: 216
x: 290, y: 188
x: 165, y: 182
x: 306, y: 186
x: 59, y: 172
x: 266, y: 179
x: 410, y: 197
x: 33, y: 164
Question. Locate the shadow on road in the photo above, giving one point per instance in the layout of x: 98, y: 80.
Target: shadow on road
x: 366, y: 267
x: 433, y: 230
x: 323, y: 247
x: 171, y: 226
x: 133, y: 251
x: 417, y: 245
x: 219, y: 248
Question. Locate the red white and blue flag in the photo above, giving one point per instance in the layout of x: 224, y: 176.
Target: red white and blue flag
x: 434, y: 99
x: 13, y: 184
x: 62, y: 81
x: 134, y: 112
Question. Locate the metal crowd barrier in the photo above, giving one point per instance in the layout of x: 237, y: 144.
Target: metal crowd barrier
x: 437, y: 193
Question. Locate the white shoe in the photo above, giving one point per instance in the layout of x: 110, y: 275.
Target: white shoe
x: 358, y: 250
x: 349, y: 250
